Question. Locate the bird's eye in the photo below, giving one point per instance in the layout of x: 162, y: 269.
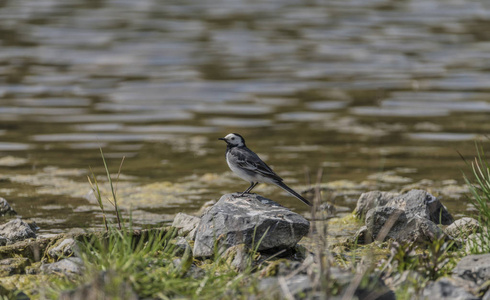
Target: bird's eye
x: 232, y: 139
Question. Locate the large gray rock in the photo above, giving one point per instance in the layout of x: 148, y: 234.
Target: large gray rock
x: 386, y: 222
x: 246, y: 220
x: 371, y: 200
x: 475, y: 268
x: 447, y: 288
x: 423, y: 204
x: 5, y: 209
x: 409, y: 217
x: 16, y: 230
x: 413, y: 203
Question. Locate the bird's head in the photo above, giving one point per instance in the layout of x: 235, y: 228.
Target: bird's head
x: 234, y: 140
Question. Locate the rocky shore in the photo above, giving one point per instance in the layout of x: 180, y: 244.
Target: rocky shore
x: 401, y: 238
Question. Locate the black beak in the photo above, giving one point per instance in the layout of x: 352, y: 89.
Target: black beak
x: 223, y: 139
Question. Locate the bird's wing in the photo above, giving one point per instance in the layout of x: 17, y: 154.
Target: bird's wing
x: 250, y: 161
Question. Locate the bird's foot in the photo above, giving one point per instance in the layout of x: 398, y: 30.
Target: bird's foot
x: 238, y: 195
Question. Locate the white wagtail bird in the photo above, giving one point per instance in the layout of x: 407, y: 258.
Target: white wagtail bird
x: 248, y: 166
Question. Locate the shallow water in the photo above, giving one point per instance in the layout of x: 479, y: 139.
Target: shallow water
x: 380, y: 94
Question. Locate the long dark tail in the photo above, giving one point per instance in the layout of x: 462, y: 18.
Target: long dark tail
x: 283, y: 186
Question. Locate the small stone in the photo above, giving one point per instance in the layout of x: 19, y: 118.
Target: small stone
x: 447, y: 288
x: 281, y: 267
x: 16, y: 230
x: 11, y: 266
x: 462, y: 228
x: 477, y: 242
x: 296, y: 285
x: 65, y: 248
x: 5, y: 209
x: 181, y: 245
x: 328, y: 208
x: 474, y: 268
x: 68, y: 266
x: 238, y: 257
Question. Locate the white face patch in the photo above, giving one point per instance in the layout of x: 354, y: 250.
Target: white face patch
x: 234, y: 139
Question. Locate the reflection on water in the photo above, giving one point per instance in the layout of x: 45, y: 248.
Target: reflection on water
x: 357, y: 87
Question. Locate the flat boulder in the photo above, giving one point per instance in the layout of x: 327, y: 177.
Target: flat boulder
x: 257, y: 222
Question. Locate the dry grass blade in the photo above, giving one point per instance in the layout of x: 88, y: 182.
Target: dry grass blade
x: 98, y: 196
x: 318, y: 192
x: 119, y: 171
x: 284, y: 287
x: 114, y: 197
x: 387, y: 226
x: 307, y: 176
x: 351, y: 289
x: 462, y: 157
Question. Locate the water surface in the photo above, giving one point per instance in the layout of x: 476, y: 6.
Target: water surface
x: 380, y: 94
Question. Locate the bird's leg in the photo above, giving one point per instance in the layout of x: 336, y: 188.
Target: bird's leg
x: 252, y: 185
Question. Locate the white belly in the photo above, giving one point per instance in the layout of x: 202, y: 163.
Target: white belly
x: 247, y: 175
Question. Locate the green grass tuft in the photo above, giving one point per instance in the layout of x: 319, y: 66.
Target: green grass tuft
x: 479, y: 186
x: 94, y: 184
